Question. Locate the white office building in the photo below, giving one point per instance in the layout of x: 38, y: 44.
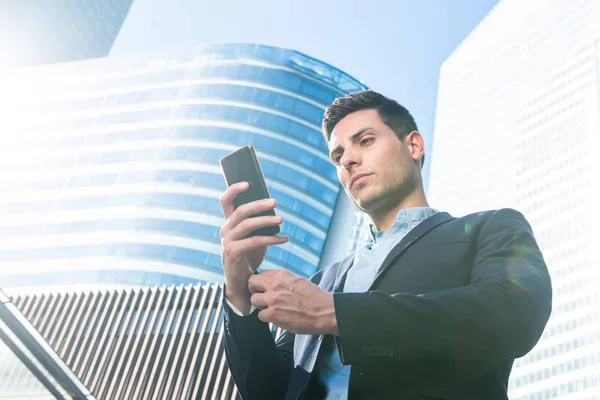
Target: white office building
x: 518, y: 125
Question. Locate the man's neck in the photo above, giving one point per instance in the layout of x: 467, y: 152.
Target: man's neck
x: 384, y: 220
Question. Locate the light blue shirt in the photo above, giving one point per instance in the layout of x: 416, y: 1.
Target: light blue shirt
x: 367, y: 260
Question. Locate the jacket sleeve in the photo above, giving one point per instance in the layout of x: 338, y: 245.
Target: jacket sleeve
x: 501, y: 314
x: 260, y: 366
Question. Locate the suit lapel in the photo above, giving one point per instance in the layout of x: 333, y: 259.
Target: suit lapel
x: 341, y: 273
x: 306, y: 347
x: 414, y: 235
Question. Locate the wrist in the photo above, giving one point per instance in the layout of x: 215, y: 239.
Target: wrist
x: 329, y: 319
x: 239, y: 297
x: 236, y: 288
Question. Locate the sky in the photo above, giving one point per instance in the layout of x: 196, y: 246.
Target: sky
x: 394, y: 47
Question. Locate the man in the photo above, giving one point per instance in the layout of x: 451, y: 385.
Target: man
x: 433, y: 307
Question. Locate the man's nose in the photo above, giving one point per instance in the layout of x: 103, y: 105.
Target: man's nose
x: 350, y: 159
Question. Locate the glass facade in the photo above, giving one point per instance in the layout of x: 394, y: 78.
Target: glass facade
x: 118, y: 179
x: 527, y: 105
x: 49, y: 31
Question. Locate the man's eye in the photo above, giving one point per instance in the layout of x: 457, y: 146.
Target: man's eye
x: 337, y: 158
x: 366, y: 140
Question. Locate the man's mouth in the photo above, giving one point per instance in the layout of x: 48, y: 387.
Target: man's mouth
x: 358, y: 179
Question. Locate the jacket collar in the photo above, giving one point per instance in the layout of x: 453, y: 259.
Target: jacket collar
x: 413, y: 236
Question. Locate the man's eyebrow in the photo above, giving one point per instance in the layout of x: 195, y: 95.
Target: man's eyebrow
x: 353, y: 138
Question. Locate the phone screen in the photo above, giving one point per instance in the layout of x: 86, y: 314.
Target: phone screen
x: 242, y: 165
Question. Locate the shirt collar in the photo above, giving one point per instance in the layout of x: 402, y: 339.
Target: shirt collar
x: 406, y: 220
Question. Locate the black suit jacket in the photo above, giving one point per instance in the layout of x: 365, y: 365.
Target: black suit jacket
x: 454, y: 303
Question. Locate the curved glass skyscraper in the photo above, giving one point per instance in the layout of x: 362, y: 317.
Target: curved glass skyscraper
x: 120, y: 181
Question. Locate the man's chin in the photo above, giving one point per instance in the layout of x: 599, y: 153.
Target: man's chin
x: 365, y: 203
x: 370, y: 201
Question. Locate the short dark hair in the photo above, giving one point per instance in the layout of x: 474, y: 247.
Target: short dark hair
x: 391, y: 113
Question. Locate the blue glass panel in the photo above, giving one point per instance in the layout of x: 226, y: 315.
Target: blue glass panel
x: 213, y: 206
x: 271, y: 146
x: 282, y: 102
x: 283, y: 79
x: 303, y: 237
x: 293, y: 177
x: 307, y: 135
x: 278, y: 78
x: 300, y: 209
x: 254, y: 118
x: 255, y: 96
x: 316, y: 91
x: 155, y: 252
x: 268, y: 167
x: 184, y: 228
x: 266, y: 144
x: 291, y: 260
x: 309, y: 112
x: 169, y: 201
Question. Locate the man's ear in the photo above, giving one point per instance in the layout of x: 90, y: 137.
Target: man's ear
x: 416, y: 146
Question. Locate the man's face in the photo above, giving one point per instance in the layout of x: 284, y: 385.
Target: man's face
x: 375, y: 168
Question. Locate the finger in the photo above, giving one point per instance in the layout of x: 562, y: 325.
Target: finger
x: 258, y: 283
x: 244, y: 212
x: 230, y: 194
x: 274, y: 272
x: 249, y: 209
x: 259, y: 300
x: 234, y: 249
x: 248, y: 225
x: 266, y: 315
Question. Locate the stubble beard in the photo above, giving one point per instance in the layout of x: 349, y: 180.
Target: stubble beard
x: 383, y: 198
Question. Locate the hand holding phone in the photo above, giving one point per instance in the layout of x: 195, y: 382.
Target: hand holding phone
x: 243, y: 166
x: 251, y: 224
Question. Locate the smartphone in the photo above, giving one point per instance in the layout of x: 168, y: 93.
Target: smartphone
x: 242, y: 166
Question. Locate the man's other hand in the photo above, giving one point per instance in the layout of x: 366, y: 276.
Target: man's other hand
x: 293, y: 303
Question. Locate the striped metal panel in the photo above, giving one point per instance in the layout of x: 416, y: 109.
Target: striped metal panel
x: 139, y: 343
